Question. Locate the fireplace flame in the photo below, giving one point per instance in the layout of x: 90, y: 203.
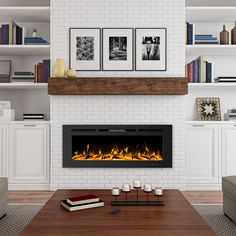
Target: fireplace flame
x: 118, y: 153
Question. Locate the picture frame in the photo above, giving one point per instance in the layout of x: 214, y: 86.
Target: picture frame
x: 117, y: 48
x: 208, y: 109
x: 85, y: 49
x: 150, y: 49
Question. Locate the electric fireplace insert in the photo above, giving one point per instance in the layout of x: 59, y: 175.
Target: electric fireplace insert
x: 117, y: 146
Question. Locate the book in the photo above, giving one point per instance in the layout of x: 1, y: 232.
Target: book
x: 208, y: 72
x: 205, y: 38
x: 40, y: 73
x: 195, y: 71
x: 0, y: 35
x: 46, y: 70
x: 190, y: 34
x: 206, y: 43
x: 12, y: 27
x: 70, y: 207
x: 82, y: 199
x: 189, y: 72
x: 5, y: 34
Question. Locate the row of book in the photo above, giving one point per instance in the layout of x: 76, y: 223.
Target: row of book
x: 14, y: 34
x: 42, y: 72
x: 82, y: 202
x: 192, y: 38
x: 11, y: 33
x: 200, y: 71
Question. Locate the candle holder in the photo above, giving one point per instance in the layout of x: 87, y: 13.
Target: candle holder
x: 126, y: 188
x: 148, y: 192
x: 126, y: 195
x: 137, y: 189
x: 115, y: 192
x: 158, y: 192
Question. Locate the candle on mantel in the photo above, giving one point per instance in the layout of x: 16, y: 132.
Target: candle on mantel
x: 137, y: 184
x: 147, y: 187
x: 126, y: 188
x: 158, y: 191
x: 115, y: 191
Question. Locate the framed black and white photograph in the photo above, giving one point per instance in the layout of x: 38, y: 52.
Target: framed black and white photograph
x: 117, y: 49
x: 85, y: 49
x: 150, y: 47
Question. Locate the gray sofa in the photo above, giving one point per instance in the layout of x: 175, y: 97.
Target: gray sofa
x: 229, y: 196
x: 3, y: 196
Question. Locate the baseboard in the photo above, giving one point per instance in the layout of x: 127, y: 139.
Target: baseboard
x: 204, y: 187
x: 28, y: 187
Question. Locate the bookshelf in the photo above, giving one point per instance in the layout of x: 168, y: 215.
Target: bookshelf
x: 211, y: 14
x: 210, y: 50
x: 209, y: 18
x: 23, y: 85
x: 26, y: 97
x: 25, y: 50
x: 25, y: 14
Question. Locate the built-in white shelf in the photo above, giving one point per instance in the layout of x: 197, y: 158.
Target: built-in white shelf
x: 24, y: 50
x: 215, y: 86
x: 23, y: 85
x: 25, y: 14
x: 211, y: 50
x: 210, y: 14
x: 26, y: 122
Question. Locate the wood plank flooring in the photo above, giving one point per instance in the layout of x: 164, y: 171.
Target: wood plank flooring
x: 34, y: 197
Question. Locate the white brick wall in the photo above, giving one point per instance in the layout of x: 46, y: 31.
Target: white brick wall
x: 119, y: 109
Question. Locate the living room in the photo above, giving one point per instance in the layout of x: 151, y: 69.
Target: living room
x: 126, y: 107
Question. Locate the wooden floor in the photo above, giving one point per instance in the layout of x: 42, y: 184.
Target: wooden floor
x: 34, y: 197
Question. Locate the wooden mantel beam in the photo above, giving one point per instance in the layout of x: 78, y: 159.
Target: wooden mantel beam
x: 118, y: 86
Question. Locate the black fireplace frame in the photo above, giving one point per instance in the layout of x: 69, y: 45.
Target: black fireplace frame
x: 118, y: 130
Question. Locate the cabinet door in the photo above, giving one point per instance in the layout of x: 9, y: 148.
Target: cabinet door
x: 202, y: 154
x: 29, y: 153
x: 3, y: 149
x: 228, y: 150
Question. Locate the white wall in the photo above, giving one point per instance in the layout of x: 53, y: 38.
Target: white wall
x: 119, y: 109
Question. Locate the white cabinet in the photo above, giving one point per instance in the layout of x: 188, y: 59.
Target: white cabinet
x: 202, y: 156
x: 29, y: 155
x: 3, y: 149
x: 228, y: 151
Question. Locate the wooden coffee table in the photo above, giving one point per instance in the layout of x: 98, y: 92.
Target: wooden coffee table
x: 177, y: 217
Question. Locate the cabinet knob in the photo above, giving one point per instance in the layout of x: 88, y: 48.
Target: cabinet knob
x: 29, y: 125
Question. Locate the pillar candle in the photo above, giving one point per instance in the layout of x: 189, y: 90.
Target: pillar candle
x: 147, y: 187
x: 137, y: 184
x: 126, y: 188
x: 115, y: 191
x: 158, y: 191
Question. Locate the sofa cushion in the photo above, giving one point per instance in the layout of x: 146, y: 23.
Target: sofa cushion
x: 229, y: 185
x: 3, y: 185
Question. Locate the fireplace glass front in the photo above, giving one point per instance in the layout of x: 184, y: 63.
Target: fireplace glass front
x: 117, y: 146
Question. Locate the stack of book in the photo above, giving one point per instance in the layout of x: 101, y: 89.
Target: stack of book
x: 230, y: 115
x: 225, y: 79
x: 22, y: 76
x: 205, y: 39
x: 35, y: 116
x: 11, y: 33
x: 200, y: 71
x: 190, y: 32
x: 82, y: 202
x: 42, y: 72
x: 35, y: 41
